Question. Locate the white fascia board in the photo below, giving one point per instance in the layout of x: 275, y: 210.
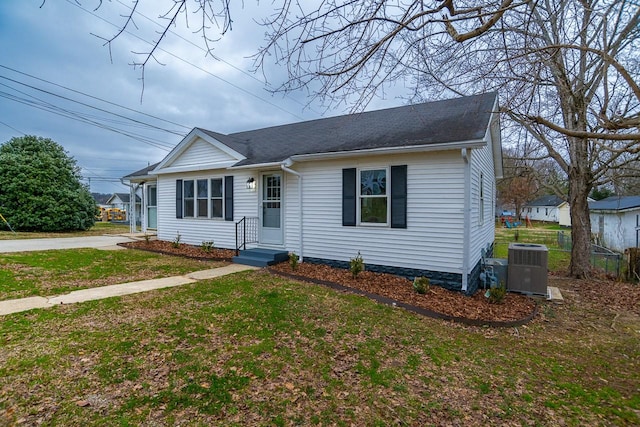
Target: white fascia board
x: 190, y: 139
x: 194, y: 168
x: 271, y: 165
x: 389, y: 150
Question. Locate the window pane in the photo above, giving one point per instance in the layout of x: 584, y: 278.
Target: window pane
x: 203, y: 191
x: 188, y: 189
x: 152, y: 192
x: 373, y: 210
x: 216, y: 188
x: 202, y: 208
x: 188, y: 208
x: 216, y: 208
x: 373, y: 182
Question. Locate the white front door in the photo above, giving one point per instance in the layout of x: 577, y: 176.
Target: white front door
x: 271, y: 209
x: 152, y: 207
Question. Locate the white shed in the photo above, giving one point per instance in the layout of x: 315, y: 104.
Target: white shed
x: 615, y: 221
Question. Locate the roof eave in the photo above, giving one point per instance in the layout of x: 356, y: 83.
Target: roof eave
x: 479, y: 143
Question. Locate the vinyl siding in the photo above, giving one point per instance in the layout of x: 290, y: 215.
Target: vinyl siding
x: 433, y: 237
x: 200, y: 152
x: 482, y: 226
x: 196, y: 230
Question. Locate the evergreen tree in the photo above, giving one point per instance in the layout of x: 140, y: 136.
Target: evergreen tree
x: 40, y: 188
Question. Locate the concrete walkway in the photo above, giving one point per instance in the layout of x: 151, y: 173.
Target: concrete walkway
x: 106, y: 241
x: 24, y: 304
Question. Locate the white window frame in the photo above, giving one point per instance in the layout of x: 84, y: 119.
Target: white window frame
x: 387, y: 196
x: 209, y: 198
x: 212, y: 198
x: 481, y: 200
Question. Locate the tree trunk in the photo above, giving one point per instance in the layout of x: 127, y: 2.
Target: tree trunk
x: 580, y: 265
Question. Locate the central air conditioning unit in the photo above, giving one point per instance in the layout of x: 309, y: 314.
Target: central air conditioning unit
x: 527, y: 268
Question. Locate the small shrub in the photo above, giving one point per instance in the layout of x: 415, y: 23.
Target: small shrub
x: 147, y: 238
x: 356, y: 265
x: 496, y: 295
x: 207, y: 245
x: 293, y: 260
x: 176, y: 242
x: 421, y: 285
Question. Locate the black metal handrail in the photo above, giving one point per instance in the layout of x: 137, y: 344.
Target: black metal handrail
x: 246, y: 232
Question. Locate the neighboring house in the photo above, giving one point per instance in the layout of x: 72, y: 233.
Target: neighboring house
x: 411, y: 188
x: 564, y: 213
x: 616, y: 222
x: 122, y: 201
x: 545, y: 208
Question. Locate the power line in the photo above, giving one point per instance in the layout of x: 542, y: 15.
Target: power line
x: 94, y: 97
x: 12, y: 128
x: 187, y: 62
x: 208, y: 52
x: 77, y: 116
x: 92, y: 107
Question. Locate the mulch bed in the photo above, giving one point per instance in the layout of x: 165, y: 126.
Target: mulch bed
x: 189, y: 251
x: 437, y: 302
x: 388, y: 289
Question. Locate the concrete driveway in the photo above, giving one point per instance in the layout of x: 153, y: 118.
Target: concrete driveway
x: 98, y: 242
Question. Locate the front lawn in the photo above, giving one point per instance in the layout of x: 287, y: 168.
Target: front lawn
x: 98, y: 229
x: 253, y: 349
x: 49, y: 273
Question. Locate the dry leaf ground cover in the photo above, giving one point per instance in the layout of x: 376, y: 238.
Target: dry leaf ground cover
x: 255, y: 349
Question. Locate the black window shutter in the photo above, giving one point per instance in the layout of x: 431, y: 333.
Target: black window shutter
x: 349, y: 197
x: 178, y: 198
x: 399, y: 196
x: 228, y: 198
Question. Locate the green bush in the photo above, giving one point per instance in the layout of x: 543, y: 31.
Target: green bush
x: 40, y: 188
x: 176, y: 242
x: 207, y: 246
x: 421, y: 285
x: 356, y: 265
x: 496, y: 295
x: 294, y: 260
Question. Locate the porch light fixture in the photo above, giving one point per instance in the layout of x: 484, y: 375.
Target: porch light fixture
x: 251, y: 184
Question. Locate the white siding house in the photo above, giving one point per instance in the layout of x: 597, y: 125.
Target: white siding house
x: 410, y: 188
x: 616, y: 222
x: 545, y: 208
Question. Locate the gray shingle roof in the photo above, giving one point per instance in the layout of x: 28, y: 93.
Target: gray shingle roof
x: 548, y: 200
x: 616, y: 203
x: 142, y: 172
x: 454, y: 120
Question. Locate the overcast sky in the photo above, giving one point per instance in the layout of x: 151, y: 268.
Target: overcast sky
x: 53, y: 71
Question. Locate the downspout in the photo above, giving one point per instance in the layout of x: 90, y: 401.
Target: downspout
x: 466, y: 239
x: 285, y: 166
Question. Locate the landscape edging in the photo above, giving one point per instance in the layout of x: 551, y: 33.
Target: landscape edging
x: 159, y: 251
x: 419, y: 310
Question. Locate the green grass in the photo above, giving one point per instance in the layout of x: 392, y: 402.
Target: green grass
x: 46, y: 273
x: 98, y: 229
x: 545, y: 234
x: 252, y: 349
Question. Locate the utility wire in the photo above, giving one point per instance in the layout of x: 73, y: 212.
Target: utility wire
x: 216, y: 57
x: 94, y: 97
x: 186, y: 62
x: 12, y: 128
x: 41, y: 105
x: 92, y: 107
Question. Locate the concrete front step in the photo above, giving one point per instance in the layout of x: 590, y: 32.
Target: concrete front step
x: 260, y: 257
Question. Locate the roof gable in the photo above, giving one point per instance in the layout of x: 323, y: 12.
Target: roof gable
x: 197, y: 151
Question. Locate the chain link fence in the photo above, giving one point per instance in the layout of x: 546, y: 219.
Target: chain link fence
x: 602, y: 259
